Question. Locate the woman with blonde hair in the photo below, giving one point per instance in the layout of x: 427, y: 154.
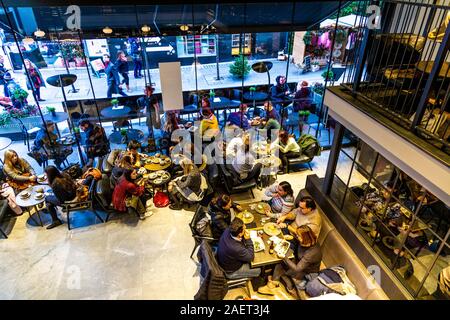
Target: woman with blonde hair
x: 19, y: 174
x: 188, y: 186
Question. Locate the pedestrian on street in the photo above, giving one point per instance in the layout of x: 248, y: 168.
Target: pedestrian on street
x: 37, y: 81
x: 137, y: 59
x: 112, y: 77
x: 122, y: 67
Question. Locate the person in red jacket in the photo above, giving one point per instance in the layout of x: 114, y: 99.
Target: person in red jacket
x: 127, y: 194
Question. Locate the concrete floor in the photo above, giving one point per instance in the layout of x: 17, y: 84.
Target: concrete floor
x: 122, y: 259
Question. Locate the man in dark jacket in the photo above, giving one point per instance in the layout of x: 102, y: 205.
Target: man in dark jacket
x: 235, y: 252
x: 112, y: 77
x: 279, y: 92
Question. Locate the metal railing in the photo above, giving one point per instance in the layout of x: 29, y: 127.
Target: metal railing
x: 401, y: 66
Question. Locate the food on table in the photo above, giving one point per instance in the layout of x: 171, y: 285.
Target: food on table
x: 39, y: 196
x: 262, y: 207
x: 41, y: 177
x: 142, y: 171
x: 153, y: 175
x: 25, y: 195
x: 157, y: 181
x: 158, y: 155
x: 282, y: 248
x: 288, y: 237
x: 271, y: 229
x: 156, y: 160
x: 165, y: 176
x: 40, y: 190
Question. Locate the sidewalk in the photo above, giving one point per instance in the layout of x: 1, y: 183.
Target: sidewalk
x: 206, y: 76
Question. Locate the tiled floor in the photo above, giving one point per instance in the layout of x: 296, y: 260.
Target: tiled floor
x: 122, y: 259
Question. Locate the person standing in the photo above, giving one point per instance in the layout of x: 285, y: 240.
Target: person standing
x: 151, y: 104
x: 137, y: 59
x: 37, y: 81
x: 122, y: 68
x: 112, y: 77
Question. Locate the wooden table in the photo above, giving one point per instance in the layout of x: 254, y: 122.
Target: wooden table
x: 426, y: 66
x: 262, y: 258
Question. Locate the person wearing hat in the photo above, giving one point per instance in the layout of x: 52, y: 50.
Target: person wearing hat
x: 308, y: 258
x: 10, y: 85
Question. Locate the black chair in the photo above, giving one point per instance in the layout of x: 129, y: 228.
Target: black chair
x: 305, y: 158
x: 103, y: 196
x: 3, y: 212
x: 236, y: 96
x: 198, y: 215
x: 71, y: 206
x: 227, y: 178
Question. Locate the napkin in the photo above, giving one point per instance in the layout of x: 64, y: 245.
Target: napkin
x: 275, y: 239
x: 117, y: 108
x: 216, y: 99
x: 253, y: 234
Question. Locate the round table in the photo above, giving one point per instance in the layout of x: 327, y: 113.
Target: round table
x: 31, y: 202
x: 57, y: 117
x: 132, y: 134
x: 255, y: 96
x: 5, y: 143
x: 116, y: 112
x: 426, y: 66
x: 157, y: 166
x: 222, y: 102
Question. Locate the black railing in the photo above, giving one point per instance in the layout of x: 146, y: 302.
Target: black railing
x: 401, y: 66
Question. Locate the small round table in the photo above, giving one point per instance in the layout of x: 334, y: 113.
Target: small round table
x: 132, y: 134
x: 115, y: 112
x: 56, y: 117
x: 157, y: 166
x: 222, y: 102
x: 31, y: 202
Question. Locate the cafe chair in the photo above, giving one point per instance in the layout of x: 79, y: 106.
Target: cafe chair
x: 231, y: 189
x: 214, y: 284
x: 103, y: 196
x: 4, y: 207
x: 198, y: 238
x: 75, y: 205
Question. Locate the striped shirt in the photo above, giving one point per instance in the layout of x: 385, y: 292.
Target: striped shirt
x: 279, y: 205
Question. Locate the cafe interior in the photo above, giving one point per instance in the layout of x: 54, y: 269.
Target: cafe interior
x: 225, y: 151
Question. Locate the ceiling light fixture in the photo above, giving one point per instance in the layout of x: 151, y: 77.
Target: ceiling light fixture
x: 145, y: 28
x: 39, y: 33
x: 184, y: 27
x: 28, y: 40
x: 107, y: 30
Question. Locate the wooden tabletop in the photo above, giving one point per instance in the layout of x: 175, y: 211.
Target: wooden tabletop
x: 426, y: 66
x: 262, y: 258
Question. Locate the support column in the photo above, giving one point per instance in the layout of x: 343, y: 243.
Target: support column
x: 333, y: 158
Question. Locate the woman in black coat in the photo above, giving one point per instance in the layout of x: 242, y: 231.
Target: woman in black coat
x: 219, y: 211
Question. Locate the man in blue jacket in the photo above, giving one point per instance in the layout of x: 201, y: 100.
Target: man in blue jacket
x: 235, y: 252
x: 112, y: 77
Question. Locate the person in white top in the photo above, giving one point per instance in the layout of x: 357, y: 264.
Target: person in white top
x: 305, y: 214
x: 287, y: 147
x: 237, y: 144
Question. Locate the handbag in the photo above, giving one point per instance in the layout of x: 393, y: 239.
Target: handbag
x: 74, y: 171
x: 161, y: 199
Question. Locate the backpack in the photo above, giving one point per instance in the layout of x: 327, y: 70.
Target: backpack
x: 330, y: 280
x: 161, y: 199
x: 74, y: 171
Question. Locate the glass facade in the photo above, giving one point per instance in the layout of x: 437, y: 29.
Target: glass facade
x: 207, y: 40
x: 406, y: 225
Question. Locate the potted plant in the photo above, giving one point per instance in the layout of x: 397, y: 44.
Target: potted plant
x: 318, y: 88
x: 327, y: 75
x: 252, y: 90
x: 19, y: 97
x: 212, y: 94
x: 52, y: 110
x: 71, y: 52
x: 115, y: 102
x: 240, y: 68
x: 315, y: 66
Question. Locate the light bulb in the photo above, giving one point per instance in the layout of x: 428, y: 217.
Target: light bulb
x: 39, y: 33
x: 145, y: 28
x: 184, y: 27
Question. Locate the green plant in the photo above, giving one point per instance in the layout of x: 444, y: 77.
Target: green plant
x: 114, y: 102
x: 327, y: 75
x: 71, y: 50
x: 240, y: 68
x: 51, y: 109
x: 212, y: 94
x: 318, y: 88
x: 20, y: 94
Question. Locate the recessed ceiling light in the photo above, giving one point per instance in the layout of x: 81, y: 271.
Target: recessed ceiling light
x: 39, y: 33
x: 28, y: 40
x: 145, y: 28
x: 107, y: 30
x: 184, y: 27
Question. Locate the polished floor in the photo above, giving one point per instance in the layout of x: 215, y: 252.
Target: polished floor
x: 122, y: 259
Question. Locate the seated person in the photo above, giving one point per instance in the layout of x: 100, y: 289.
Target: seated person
x: 235, y: 252
x: 209, y: 125
x: 19, y: 174
x: 239, y: 119
x: 125, y: 163
x: 190, y: 186
x: 7, y: 193
x: 115, y: 156
x: 271, y: 121
x: 243, y: 166
x: 308, y: 258
x: 280, y: 91
x: 171, y: 123
x: 128, y: 194
x: 219, y: 211
x: 281, y: 199
x: 46, y: 146
x: 305, y: 215
x: 64, y: 189
x: 237, y: 144
x: 288, y: 148
x: 97, y: 144
x: 303, y: 97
